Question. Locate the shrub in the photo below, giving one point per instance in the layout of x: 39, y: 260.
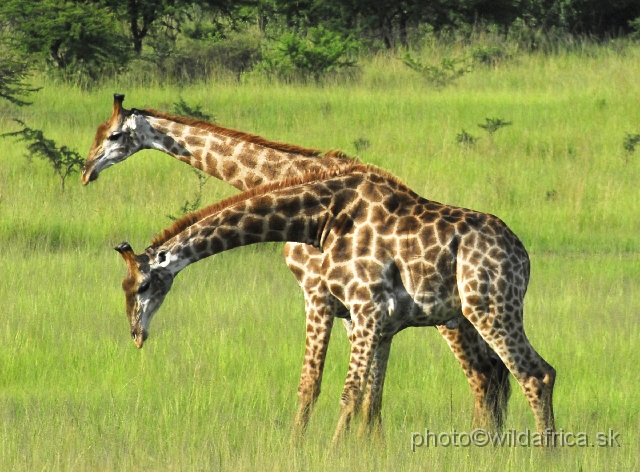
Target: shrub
x: 446, y: 73
x: 64, y: 161
x: 630, y: 142
x: 488, y: 55
x: 198, y: 59
x: 361, y: 144
x: 465, y: 139
x: 312, y: 57
x: 183, y: 109
x: 192, y: 205
x: 13, y: 74
x: 71, y: 36
x: 492, y: 125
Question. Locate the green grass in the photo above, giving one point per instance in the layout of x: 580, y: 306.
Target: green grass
x: 215, y: 386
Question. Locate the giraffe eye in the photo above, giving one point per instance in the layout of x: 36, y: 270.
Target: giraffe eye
x: 115, y: 135
x: 144, y: 286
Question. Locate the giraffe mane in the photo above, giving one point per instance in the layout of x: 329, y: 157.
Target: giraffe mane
x: 252, y: 138
x: 191, y: 218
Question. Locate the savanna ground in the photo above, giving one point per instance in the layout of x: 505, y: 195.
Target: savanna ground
x: 215, y: 386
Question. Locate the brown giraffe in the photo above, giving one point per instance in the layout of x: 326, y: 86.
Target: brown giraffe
x: 244, y: 161
x: 393, y: 258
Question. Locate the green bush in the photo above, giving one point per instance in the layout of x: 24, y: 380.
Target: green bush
x: 63, y: 160
x: 182, y: 108
x: 441, y: 75
x: 13, y: 74
x: 312, y: 57
x: 635, y: 26
x: 198, y: 59
x: 70, y: 36
x: 630, y: 142
x: 488, y: 55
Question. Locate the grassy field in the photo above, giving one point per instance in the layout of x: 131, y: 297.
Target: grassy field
x: 215, y: 386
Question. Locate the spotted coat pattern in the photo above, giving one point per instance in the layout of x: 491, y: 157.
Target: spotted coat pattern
x: 394, y: 259
x: 244, y: 161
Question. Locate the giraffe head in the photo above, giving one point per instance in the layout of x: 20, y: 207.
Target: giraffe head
x: 115, y: 140
x: 145, y: 287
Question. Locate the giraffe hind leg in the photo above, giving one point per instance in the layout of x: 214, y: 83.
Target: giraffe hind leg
x: 487, y: 375
x: 504, y: 333
x: 372, y: 398
x: 498, y: 391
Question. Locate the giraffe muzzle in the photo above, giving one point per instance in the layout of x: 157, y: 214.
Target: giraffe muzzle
x: 89, y: 175
x: 140, y: 338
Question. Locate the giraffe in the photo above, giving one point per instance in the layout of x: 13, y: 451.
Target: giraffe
x: 393, y: 258
x: 245, y: 161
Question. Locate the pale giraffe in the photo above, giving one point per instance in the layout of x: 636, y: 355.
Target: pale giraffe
x: 393, y: 258
x: 244, y: 161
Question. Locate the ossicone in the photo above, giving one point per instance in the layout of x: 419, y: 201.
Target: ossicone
x: 118, y: 98
x: 118, y: 110
x: 123, y: 247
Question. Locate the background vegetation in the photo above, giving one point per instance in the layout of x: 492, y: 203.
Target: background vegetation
x: 214, y: 387
x: 84, y: 40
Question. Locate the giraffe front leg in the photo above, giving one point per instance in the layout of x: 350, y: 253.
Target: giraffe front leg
x: 320, y: 314
x: 487, y: 375
x: 321, y: 307
x: 364, y: 339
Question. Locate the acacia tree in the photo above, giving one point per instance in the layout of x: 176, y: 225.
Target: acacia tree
x: 13, y: 88
x: 13, y: 74
x: 63, y: 160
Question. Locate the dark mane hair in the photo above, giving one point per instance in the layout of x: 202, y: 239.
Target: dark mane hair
x: 252, y: 138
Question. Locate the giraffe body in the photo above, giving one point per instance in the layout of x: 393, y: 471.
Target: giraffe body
x: 394, y: 259
x: 245, y: 161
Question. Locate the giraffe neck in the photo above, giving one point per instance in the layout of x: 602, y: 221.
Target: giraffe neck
x: 284, y: 216
x: 216, y: 236
x: 242, y: 160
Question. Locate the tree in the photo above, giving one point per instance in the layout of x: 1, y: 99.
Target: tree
x: 142, y: 16
x: 66, y: 32
x: 388, y: 21
x: 319, y: 53
x: 13, y: 74
x: 63, y: 160
x: 593, y: 17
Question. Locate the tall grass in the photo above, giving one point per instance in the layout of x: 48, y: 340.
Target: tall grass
x: 214, y: 387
